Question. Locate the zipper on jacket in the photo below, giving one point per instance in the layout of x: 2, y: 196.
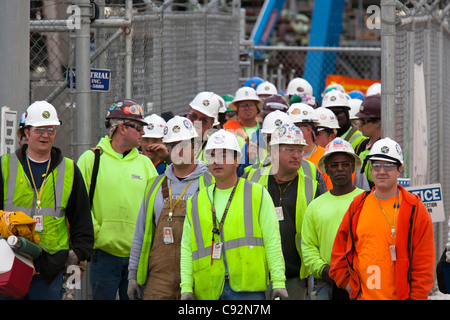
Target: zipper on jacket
x: 411, y: 219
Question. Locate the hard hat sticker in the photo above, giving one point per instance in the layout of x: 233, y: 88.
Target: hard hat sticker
x: 187, y: 124
x: 219, y: 139
x: 45, y: 114
x: 385, y: 149
x: 150, y: 126
x: 176, y: 129
x: 205, y: 103
x: 278, y: 122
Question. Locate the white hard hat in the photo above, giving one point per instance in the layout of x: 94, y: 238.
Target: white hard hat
x: 41, y: 113
x: 266, y: 88
x: 299, y: 86
x: 339, y: 145
x: 333, y: 86
x: 206, y: 103
x: 155, y: 126
x: 222, y: 139
x: 354, y: 104
x: 244, y: 94
x: 275, y: 119
x: 301, y: 112
x: 327, y: 118
x: 386, y: 150
x: 288, y: 134
x: 179, y: 129
x: 374, y: 89
x: 335, y: 98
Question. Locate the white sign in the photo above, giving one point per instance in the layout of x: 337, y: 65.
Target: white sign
x: 431, y: 196
x: 8, y: 131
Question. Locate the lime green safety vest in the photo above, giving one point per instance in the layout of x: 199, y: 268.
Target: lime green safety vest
x: 307, y: 187
x: 20, y: 196
x: 243, y: 258
x: 149, y: 199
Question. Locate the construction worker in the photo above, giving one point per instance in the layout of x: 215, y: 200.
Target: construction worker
x: 266, y: 89
x: 293, y: 184
x: 203, y: 112
x: 152, y: 145
x: 39, y: 181
x: 20, y: 131
x: 119, y: 188
x: 327, y: 126
x: 272, y: 121
x: 245, y: 245
x: 338, y: 103
x: 305, y: 117
x: 298, y: 86
x: 370, y: 125
x: 155, y: 252
x: 324, y: 215
x: 384, y: 247
x: 247, y: 105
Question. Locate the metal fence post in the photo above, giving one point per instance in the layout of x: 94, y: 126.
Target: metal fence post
x: 388, y: 17
x: 83, y: 95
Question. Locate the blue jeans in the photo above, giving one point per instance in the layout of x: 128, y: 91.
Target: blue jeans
x: 41, y: 290
x: 108, y: 274
x: 229, y: 294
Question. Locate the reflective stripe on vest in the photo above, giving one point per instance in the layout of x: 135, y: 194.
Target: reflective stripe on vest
x: 57, y: 211
x: 248, y: 240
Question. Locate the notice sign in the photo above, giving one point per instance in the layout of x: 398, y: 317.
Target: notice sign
x: 8, y: 131
x: 100, y: 79
x: 431, y: 196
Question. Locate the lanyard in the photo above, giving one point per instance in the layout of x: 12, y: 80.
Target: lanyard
x: 392, y: 225
x: 176, y: 202
x: 215, y: 229
x: 279, y: 188
x: 38, y: 194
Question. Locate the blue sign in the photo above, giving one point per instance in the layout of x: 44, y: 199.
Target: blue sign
x: 100, y: 79
x: 428, y: 194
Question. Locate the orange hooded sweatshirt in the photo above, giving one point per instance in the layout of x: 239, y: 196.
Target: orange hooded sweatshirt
x: 416, y: 255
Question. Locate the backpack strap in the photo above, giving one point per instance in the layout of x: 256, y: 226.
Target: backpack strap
x: 98, y: 152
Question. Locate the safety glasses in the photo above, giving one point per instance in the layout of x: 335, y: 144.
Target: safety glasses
x: 137, y: 127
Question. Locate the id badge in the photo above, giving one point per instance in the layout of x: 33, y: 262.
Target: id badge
x: 39, y: 223
x: 217, y: 250
x: 393, y: 252
x: 279, y: 212
x: 168, y: 235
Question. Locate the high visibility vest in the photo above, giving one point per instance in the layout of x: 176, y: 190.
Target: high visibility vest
x: 306, y: 191
x: 20, y: 196
x: 243, y: 256
x: 149, y: 199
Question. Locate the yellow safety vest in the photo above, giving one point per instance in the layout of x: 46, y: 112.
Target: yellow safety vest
x: 20, y: 196
x: 243, y: 257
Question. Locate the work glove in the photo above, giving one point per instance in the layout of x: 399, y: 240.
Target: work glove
x: 279, y: 294
x: 134, y: 290
x: 187, y: 296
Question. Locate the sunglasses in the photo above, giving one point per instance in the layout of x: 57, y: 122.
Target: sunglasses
x: 386, y: 166
x: 137, y: 127
x: 41, y: 130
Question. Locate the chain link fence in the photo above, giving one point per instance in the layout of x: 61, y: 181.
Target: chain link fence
x: 422, y: 39
x: 281, y: 64
x: 177, y: 51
